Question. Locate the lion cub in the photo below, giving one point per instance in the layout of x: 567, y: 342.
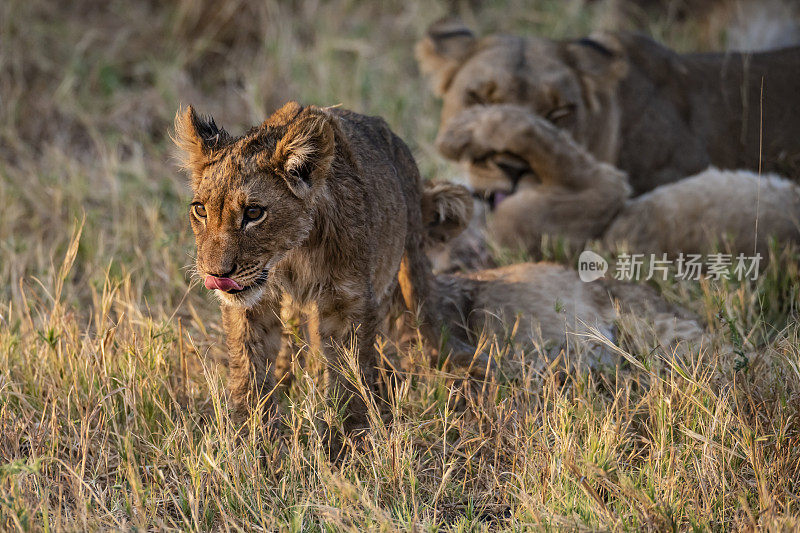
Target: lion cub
x: 320, y: 207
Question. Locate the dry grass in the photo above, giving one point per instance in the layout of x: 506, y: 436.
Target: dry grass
x: 112, y: 408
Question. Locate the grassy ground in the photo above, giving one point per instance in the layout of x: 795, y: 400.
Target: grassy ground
x: 112, y: 408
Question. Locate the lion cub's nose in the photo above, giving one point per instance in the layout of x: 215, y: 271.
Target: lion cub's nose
x: 222, y: 273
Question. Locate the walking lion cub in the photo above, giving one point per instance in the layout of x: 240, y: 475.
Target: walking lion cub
x: 320, y: 207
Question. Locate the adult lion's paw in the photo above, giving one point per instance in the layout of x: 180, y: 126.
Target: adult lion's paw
x: 463, y: 138
x: 481, y: 131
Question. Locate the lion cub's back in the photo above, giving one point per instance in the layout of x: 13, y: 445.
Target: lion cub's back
x: 391, y: 188
x: 384, y: 158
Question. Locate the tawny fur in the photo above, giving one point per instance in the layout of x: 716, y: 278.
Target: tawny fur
x: 545, y: 304
x: 724, y: 209
x: 455, y: 239
x: 658, y: 115
x: 341, y: 199
x: 560, y: 189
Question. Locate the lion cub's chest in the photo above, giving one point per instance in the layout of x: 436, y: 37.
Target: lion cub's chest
x: 310, y: 276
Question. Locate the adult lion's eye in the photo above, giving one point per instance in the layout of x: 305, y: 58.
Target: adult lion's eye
x: 484, y: 94
x: 199, y: 210
x: 560, y: 112
x: 475, y: 98
x: 252, y: 213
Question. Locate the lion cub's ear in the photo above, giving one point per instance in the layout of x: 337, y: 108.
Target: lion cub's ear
x: 306, y: 151
x: 445, y: 47
x: 196, y: 136
x: 284, y: 115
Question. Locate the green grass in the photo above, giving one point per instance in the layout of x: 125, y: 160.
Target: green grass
x: 112, y: 403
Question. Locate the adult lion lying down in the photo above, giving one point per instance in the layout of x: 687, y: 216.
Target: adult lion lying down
x: 657, y: 115
x: 541, y: 182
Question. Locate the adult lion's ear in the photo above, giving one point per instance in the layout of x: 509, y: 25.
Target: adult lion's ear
x: 445, y: 47
x: 196, y: 136
x: 600, y: 62
x: 306, y: 151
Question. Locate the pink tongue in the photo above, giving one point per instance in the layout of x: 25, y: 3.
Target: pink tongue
x: 223, y: 284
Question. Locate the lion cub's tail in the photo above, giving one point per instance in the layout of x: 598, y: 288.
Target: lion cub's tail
x: 446, y: 211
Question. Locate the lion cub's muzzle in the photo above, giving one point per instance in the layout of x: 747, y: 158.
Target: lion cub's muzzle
x: 234, y: 288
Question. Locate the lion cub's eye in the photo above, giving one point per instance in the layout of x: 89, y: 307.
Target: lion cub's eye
x: 252, y: 213
x: 560, y: 112
x: 199, y: 210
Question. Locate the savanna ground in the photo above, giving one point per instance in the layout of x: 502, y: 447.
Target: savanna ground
x: 112, y: 406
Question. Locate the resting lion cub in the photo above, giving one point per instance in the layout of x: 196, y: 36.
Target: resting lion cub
x: 317, y: 206
x: 527, y: 302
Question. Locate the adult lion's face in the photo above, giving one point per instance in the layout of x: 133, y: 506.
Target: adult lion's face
x: 571, y: 84
x: 254, y: 197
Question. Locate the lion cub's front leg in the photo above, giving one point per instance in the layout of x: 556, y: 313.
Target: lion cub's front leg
x: 254, y: 341
x: 339, y: 313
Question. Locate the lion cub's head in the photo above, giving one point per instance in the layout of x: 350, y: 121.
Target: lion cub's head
x: 571, y: 83
x: 255, y: 195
